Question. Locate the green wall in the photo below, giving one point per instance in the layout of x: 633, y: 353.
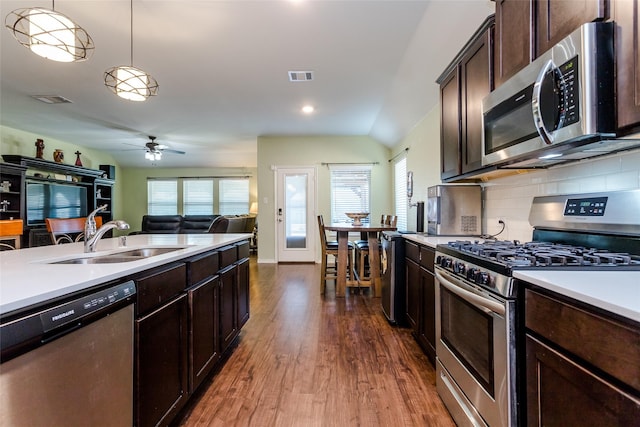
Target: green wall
x: 297, y: 151
x: 423, y: 158
x: 134, y: 194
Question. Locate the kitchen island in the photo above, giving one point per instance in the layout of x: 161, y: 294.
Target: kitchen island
x: 191, y: 295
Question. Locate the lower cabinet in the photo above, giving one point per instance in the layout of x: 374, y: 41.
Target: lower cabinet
x: 203, y: 330
x: 420, y: 283
x: 161, y: 363
x: 243, y: 292
x: 228, y: 313
x: 582, y: 367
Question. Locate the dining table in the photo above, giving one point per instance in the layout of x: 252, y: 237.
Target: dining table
x: 371, y: 231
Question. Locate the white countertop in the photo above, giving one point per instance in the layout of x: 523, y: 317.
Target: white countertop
x: 27, y: 277
x: 614, y: 291
x: 433, y: 241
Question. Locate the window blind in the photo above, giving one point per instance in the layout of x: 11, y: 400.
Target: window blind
x: 162, y: 197
x: 233, y: 196
x: 400, y: 192
x: 350, y: 191
x: 197, y: 197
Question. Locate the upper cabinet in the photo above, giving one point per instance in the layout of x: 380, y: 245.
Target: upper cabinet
x: 513, y: 35
x: 625, y: 15
x: 463, y: 85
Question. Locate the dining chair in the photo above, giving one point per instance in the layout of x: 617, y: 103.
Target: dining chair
x: 362, y: 247
x: 10, y: 231
x: 68, y: 230
x: 330, y: 247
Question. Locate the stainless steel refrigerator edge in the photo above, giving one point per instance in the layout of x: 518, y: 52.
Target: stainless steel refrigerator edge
x: 454, y: 210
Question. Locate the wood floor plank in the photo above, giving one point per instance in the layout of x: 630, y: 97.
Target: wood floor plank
x: 304, y: 359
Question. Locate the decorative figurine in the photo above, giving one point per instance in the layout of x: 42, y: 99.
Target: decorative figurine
x: 58, y: 156
x: 5, y: 204
x: 5, y: 186
x: 78, y: 161
x: 39, y: 148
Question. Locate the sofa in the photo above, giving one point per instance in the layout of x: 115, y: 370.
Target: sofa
x: 192, y: 224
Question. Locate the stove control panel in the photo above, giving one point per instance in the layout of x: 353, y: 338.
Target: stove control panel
x: 591, y: 206
x: 466, y: 270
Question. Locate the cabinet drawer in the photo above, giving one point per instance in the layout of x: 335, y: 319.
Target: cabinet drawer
x: 228, y: 255
x: 427, y: 256
x: 202, y: 266
x: 159, y: 286
x: 607, y: 344
x: 412, y: 251
x: 243, y: 249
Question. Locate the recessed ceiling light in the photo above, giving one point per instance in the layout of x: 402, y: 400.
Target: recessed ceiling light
x: 308, y: 109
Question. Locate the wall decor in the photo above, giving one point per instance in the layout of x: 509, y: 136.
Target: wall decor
x: 78, y: 161
x: 39, y: 148
x: 58, y: 156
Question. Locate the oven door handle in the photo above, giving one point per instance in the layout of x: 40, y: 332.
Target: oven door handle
x: 471, y: 297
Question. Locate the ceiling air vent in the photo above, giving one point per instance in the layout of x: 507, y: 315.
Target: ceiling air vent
x: 52, y: 99
x: 300, y: 76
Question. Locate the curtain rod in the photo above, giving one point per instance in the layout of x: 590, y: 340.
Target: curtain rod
x: 352, y: 163
x: 197, y: 177
x: 399, y: 154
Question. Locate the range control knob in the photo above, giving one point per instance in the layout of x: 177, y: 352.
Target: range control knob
x: 446, y: 262
x: 483, y: 278
x: 471, y: 274
x: 459, y: 268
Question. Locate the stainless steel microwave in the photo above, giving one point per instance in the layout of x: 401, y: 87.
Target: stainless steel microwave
x: 558, y: 108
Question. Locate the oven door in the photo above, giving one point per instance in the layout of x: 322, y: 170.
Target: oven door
x: 475, y: 342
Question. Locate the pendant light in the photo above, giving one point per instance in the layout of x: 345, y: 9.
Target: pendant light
x: 50, y: 34
x: 129, y: 82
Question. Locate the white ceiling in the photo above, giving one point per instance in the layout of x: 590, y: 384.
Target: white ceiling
x: 222, y: 70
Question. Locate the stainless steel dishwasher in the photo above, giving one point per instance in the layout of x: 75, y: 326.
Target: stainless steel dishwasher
x: 393, y: 277
x: 70, y: 364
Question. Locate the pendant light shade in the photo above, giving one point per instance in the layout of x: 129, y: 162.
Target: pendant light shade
x: 50, y: 34
x: 130, y: 83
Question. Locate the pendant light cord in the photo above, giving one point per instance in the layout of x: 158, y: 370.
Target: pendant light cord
x: 131, y: 34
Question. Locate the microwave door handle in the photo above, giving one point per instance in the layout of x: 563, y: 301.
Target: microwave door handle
x: 547, y: 137
x: 472, y: 298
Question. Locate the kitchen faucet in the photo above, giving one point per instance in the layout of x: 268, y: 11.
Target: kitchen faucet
x: 91, y: 235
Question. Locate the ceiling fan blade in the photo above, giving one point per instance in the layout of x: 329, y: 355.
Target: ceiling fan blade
x: 169, y: 150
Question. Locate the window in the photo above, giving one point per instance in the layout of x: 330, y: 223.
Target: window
x: 233, y: 196
x: 400, y: 191
x: 162, y: 197
x: 197, y: 197
x: 350, y: 187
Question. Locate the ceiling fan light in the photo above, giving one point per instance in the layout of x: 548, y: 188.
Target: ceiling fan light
x: 130, y: 83
x: 50, y: 34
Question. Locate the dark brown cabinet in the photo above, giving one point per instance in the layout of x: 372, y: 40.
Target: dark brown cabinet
x: 512, y: 41
x: 582, y: 366
x: 161, y: 367
x: 625, y: 14
x: 243, y: 292
x: 228, y: 312
x: 12, y: 200
x: 421, y: 296
x: 463, y: 85
x: 103, y: 192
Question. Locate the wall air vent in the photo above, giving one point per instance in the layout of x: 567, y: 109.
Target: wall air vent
x: 300, y: 76
x: 52, y: 99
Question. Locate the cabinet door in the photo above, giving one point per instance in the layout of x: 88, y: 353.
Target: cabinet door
x: 161, y: 363
x: 625, y: 14
x: 413, y: 294
x: 228, y: 314
x: 243, y: 292
x: 563, y: 393
x: 556, y: 19
x: 513, y: 36
x: 427, y: 313
x: 476, y: 83
x: 450, y: 125
x: 203, y: 330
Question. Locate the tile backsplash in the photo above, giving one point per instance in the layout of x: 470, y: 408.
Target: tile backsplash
x: 509, y: 198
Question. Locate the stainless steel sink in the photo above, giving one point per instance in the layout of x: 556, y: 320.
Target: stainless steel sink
x: 125, y: 256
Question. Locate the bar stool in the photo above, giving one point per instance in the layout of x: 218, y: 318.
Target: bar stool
x: 362, y: 248
x: 10, y: 231
x: 330, y: 247
x: 68, y: 230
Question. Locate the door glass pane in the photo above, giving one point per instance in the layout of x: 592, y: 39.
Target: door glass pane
x: 295, y: 211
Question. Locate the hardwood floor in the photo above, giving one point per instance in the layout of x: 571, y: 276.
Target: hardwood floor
x: 308, y: 360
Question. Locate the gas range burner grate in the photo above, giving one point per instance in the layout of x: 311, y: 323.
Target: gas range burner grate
x: 543, y: 254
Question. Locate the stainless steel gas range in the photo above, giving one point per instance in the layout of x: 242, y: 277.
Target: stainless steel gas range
x: 479, y: 328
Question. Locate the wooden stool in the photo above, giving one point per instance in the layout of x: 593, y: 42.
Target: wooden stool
x: 10, y: 231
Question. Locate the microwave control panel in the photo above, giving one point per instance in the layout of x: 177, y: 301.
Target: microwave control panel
x: 569, y: 71
x: 593, y: 206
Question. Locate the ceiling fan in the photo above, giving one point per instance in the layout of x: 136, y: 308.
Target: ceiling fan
x: 154, y: 151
